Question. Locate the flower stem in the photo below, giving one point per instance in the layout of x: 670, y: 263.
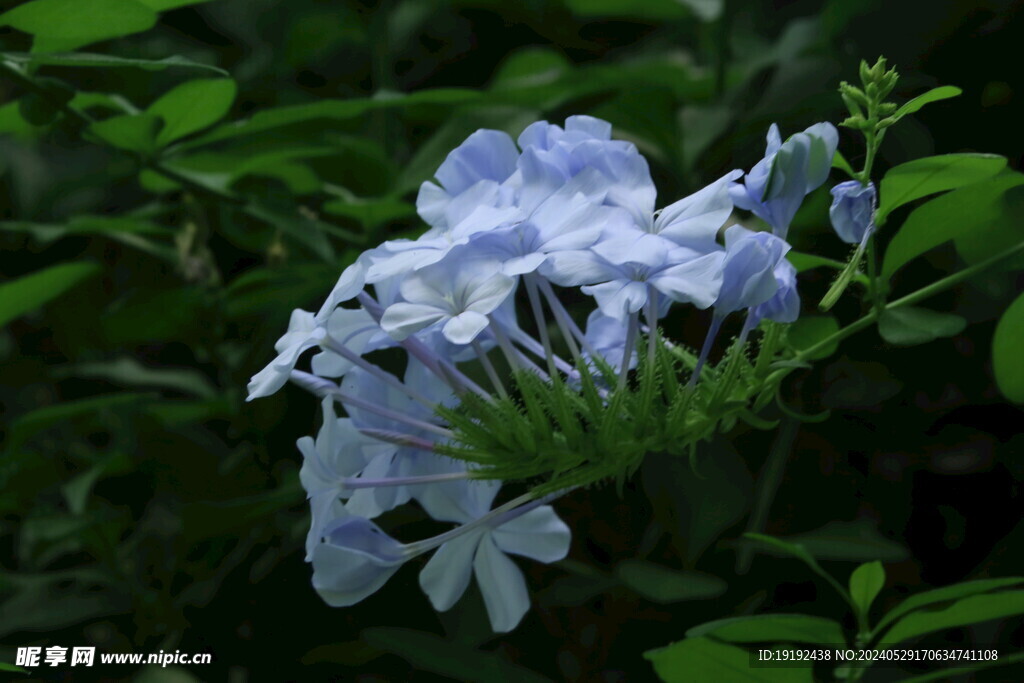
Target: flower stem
x: 481, y: 354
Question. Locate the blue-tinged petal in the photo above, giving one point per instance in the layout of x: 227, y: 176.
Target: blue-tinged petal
x: 351, y: 282
x: 539, y: 534
x: 574, y: 268
x: 697, y: 281
x: 431, y: 203
x: 354, y: 561
x: 502, y: 585
x: 402, y: 319
x: 446, y: 576
x: 485, y: 155
x: 464, y: 327
x: 694, y: 220
x: 593, y: 127
x: 619, y: 298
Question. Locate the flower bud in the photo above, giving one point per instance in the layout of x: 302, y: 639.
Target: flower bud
x: 852, y: 211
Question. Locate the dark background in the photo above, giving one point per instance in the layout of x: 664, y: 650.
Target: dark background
x: 146, y: 506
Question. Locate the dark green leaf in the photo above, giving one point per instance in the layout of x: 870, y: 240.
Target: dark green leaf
x: 1006, y: 352
x: 772, y: 628
x: 33, y: 422
x: 808, y: 330
x: 664, y: 585
x: 68, y: 24
x: 910, y: 325
x: 371, y: 212
x: 269, y: 119
x: 703, y: 659
x: 963, y: 612
x: 431, y: 653
x: 930, y: 175
x: 89, y: 59
x: 163, y: 5
x: 135, y: 133
x: 13, y: 669
x: 866, y: 582
x: 32, y: 291
x: 943, y: 92
x: 192, y: 106
x: 999, y: 236
x: 652, y: 9
x: 957, y: 213
x: 857, y: 541
x: 946, y: 594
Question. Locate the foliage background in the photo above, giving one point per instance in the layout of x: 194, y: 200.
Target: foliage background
x: 146, y: 506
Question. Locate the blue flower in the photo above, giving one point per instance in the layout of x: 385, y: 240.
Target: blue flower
x: 784, y: 305
x: 852, y: 210
x: 776, y: 186
x: 456, y: 295
x: 538, y: 534
x: 354, y: 560
x: 748, y: 270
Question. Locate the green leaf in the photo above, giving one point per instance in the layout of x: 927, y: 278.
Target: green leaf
x: 808, y: 330
x: 33, y: 422
x: 32, y: 291
x: 163, y: 5
x: 910, y: 325
x: 60, y: 25
x: 960, y: 212
x: 193, y: 106
x: 13, y: 669
x: 132, y: 132
x: 703, y: 659
x: 943, y: 92
x: 954, y: 672
x: 269, y: 119
x: 945, y: 594
x: 857, y: 541
x: 840, y: 162
x: 664, y: 585
x: 89, y: 59
x: 866, y: 582
x: 931, y: 175
x: 454, y: 661
x: 971, y: 610
x: 999, y: 236
x: 371, y: 212
x: 1006, y: 352
x: 772, y: 628
x: 652, y: 9
x: 129, y: 372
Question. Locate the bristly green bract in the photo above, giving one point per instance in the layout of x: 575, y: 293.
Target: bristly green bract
x: 555, y: 434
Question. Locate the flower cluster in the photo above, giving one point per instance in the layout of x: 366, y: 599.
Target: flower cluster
x: 561, y: 206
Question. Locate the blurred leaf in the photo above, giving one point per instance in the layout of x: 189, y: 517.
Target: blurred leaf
x: 431, y: 653
x: 68, y: 24
x: 162, y: 5
x: 664, y: 585
x: 429, y: 156
x: 651, y: 9
x: 132, y: 132
x: 206, y: 519
x: 29, y: 292
x: 772, y: 628
x: 351, y: 653
x: 88, y: 59
x: 34, y: 421
x: 999, y: 236
x: 160, y: 315
x: 77, y: 490
x: 13, y: 123
x: 701, y: 125
x: 857, y: 541
x: 530, y: 66
x: 269, y: 119
x: 371, y: 212
x: 192, y: 106
x: 703, y: 659
x: 945, y: 594
x: 1006, y: 352
x: 934, y: 95
x: 13, y: 669
x: 959, y: 212
x: 866, y: 582
x: 808, y: 330
x: 55, y: 600
x: 963, y: 612
x: 168, y: 674
x: 278, y: 290
x: 857, y: 384
x: 930, y: 175
x: 129, y: 372
x: 910, y: 325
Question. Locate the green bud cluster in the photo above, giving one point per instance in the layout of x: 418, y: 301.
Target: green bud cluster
x: 869, y: 110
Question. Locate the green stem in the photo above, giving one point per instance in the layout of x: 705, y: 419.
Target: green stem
x: 768, y: 486
x: 912, y: 298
